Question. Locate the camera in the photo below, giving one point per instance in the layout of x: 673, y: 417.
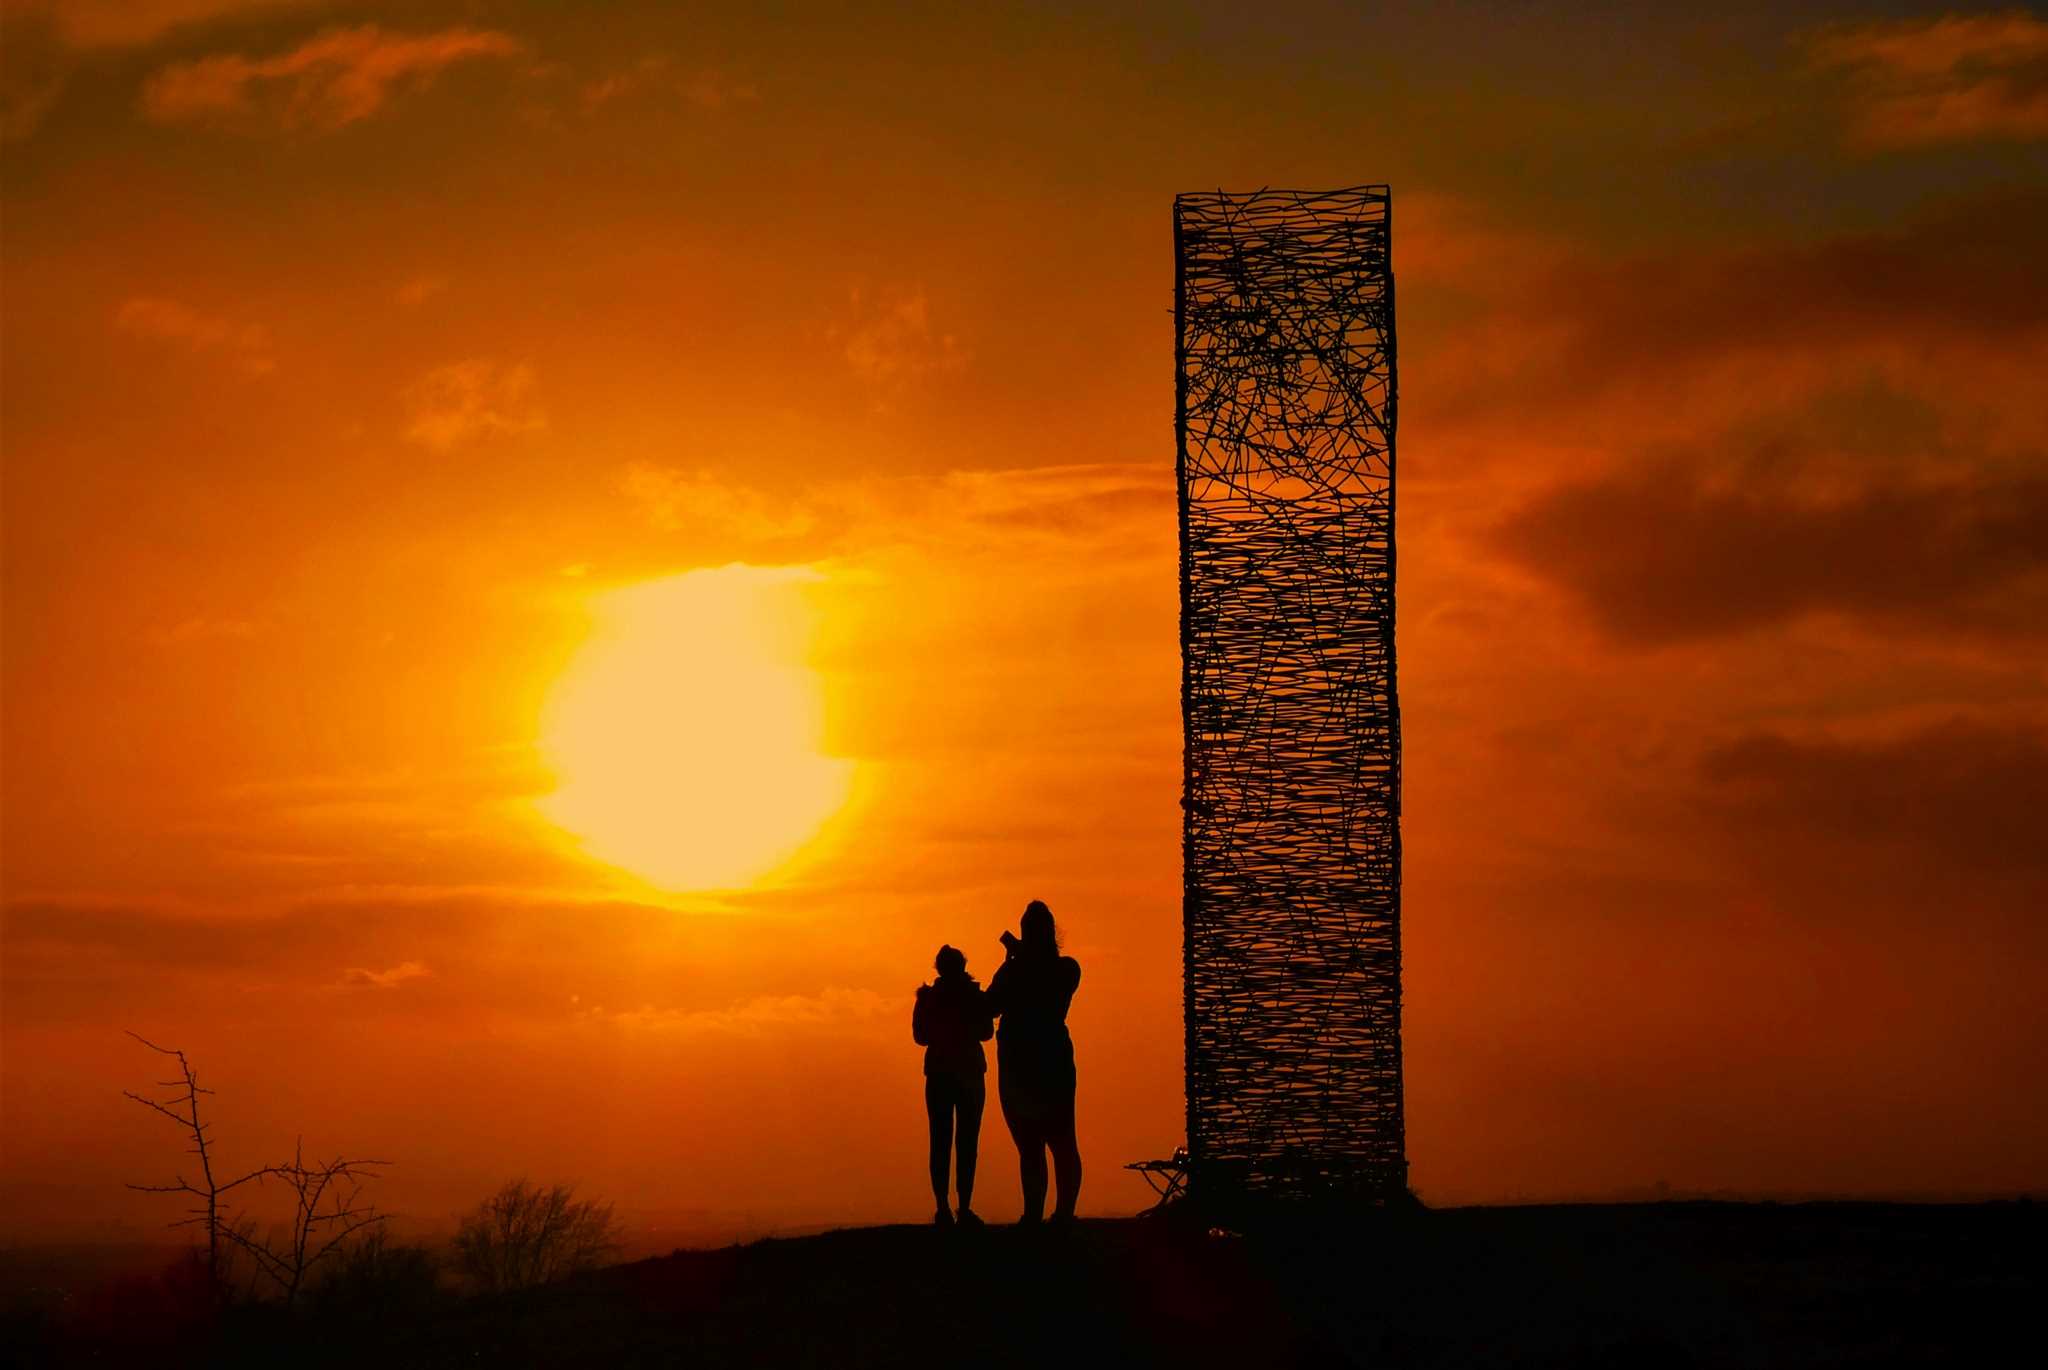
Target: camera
x: 1010, y: 941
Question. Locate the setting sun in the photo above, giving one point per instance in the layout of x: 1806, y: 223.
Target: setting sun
x: 685, y: 734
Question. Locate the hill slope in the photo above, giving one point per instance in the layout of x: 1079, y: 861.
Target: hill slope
x: 1670, y: 1284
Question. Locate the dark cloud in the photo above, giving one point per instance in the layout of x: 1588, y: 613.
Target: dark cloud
x: 34, y: 74
x: 1956, y: 78
x: 454, y: 956
x: 1955, y: 808
x: 1969, y: 269
x: 1675, y: 553
x: 1950, y: 298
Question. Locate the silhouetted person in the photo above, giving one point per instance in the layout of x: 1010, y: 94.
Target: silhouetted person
x: 951, y: 1021
x: 1035, y: 1059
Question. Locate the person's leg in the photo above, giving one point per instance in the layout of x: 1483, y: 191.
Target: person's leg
x: 1020, y: 1110
x: 1030, y: 1139
x: 973, y: 1097
x: 938, y: 1111
x: 1066, y: 1157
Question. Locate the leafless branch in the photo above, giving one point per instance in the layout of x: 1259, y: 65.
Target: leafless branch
x: 327, y: 1203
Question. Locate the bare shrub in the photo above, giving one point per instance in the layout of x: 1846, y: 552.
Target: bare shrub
x: 525, y: 1235
x: 376, y: 1279
x: 328, y: 1205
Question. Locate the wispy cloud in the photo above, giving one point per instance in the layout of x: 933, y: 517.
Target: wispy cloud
x: 331, y: 80
x: 858, y: 516
x: 24, y: 100
x: 764, y: 1016
x: 675, y: 500
x: 202, y: 629
x: 890, y: 341
x: 48, y: 39
x: 472, y: 399
x: 165, y: 320
x: 656, y: 75
x: 1959, y: 78
x: 356, y: 977
x: 713, y: 90
x: 419, y: 290
x: 130, y: 23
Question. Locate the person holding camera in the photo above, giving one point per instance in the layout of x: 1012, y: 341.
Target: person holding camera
x: 950, y: 1021
x: 1031, y: 992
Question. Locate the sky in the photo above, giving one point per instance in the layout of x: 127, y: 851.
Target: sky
x: 424, y: 423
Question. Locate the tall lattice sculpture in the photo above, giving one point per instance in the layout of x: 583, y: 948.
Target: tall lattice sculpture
x: 1284, y: 354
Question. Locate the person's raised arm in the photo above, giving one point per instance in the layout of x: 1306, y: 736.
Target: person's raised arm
x: 920, y: 1020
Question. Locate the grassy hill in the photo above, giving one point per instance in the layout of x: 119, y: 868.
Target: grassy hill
x: 1648, y: 1285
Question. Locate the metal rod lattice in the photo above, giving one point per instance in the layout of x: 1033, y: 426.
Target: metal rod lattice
x: 1285, y: 406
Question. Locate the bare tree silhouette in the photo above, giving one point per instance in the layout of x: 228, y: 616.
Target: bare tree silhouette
x: 327, y: 1195
x: 327, y: 1210
x: 524, y: 1235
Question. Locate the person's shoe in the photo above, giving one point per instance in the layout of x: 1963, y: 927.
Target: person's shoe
x: 1030, y: 1220
x: 942, y: 1218
x: 967, y: 1217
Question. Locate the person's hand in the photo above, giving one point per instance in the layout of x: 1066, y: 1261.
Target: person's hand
x: 1010, y: 941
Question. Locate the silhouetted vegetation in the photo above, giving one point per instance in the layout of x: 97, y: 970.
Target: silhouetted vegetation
x: 1672, y: 1284
x: 375, y: 1278
x: 328, y: 1207
x: 524, y: 1235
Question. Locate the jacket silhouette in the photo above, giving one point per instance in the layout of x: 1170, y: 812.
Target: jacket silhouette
x: 1033, y: 993
x: 950, y: 1020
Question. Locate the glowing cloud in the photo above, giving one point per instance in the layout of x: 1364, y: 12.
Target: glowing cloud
x: 1953, y: 79
x: 332, y: 79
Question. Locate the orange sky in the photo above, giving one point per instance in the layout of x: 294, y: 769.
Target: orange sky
x: 354, y: 354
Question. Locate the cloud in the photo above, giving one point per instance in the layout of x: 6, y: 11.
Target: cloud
x: 1971, y: 270
x: 34, y: 74
x: 490, y: 950
x: 202, y: 629
x: 24, y: 100
x: 129, y: 23
x: 1956, y: 805
x: 1555, y: 355
x: 336, y: 78
x: 1042, y: 491
x: 712, y: 91
x: 971, y: 512
x: 355, y: 977
x: 674, y: 500
x: 1959, y: 78
x: 419, y: 290
x: 890, y: 341
x: 1677, y: 553
x: 655, y: 75
x: 181, y: 325
x: 768, y: 1015
x: 472, y: 399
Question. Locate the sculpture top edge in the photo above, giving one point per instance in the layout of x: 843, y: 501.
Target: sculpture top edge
x: 1376, y: 194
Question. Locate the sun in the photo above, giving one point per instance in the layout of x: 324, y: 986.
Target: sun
x: 685, y: 734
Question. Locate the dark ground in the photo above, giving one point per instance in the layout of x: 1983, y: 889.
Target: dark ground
x: 1675, y: 1284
